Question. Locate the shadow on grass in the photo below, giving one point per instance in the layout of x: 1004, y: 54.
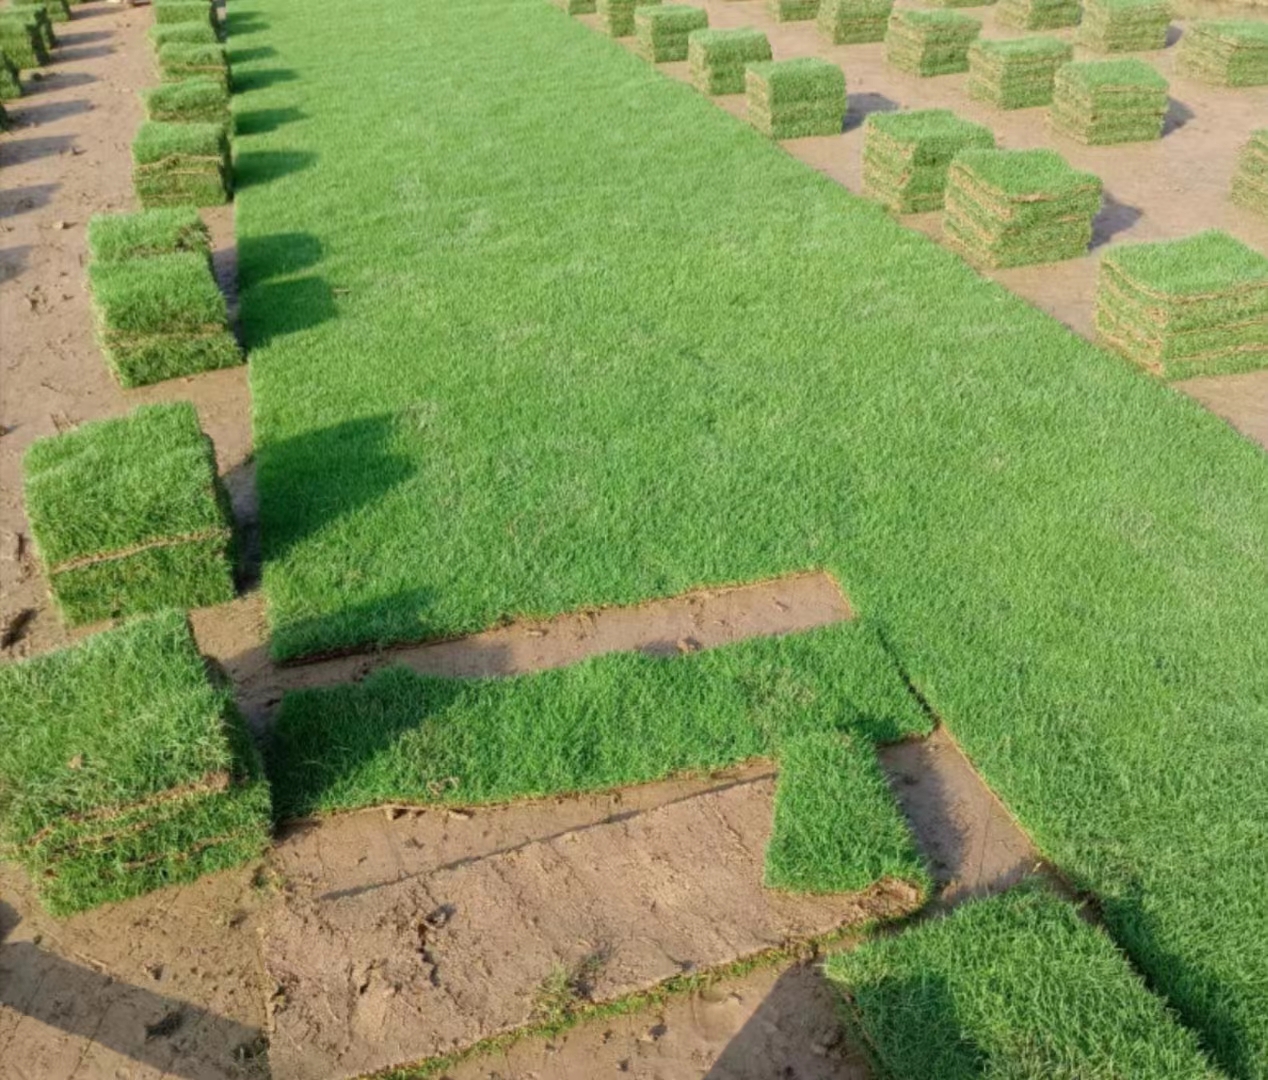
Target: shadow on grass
x: 254, y: 52
x: 272, y: 309
x: 262, y: 258
x: 241, y: 23
x: 261, y: 121
x: 252, y: 167
x: 246, y: 81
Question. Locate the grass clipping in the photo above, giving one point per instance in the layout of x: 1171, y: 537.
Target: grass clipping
x: 854, y: 22
x: 123, y: 769
x: 661, y: 31
x: 906, y: 156
x: 1250, y: 181
x: 1103, y: 102
x: 1125, y: 25
x: 1225, y: 52
x: 930, y: 42
x: 1017, y: 73
x: 789, y: 99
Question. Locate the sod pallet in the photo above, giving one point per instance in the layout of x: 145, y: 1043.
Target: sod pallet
x: 1185, y: 307
x: 576, y: 7
x: 1016, y: 73
x: 10, y: 82
x: 854, y: 22
x: 178, y: 62
x: 1039, y: 14
x: 116, y: 238
x: 718, y: 58
x: 160, y: 318
x: 616, y: 17
x: 177, y: 164
x: 21, y: 42
x: 1250, y: 181
x: 789, y: 99
x: 792, y: 10
x: 1226, y: 52
x: 930, y: 42
x: 197, y: 100
x: 183, y: 33
x: 123, y: 768
x: 661, y: 31
x: 1019, y: 207
x: 57, y: 10
x: 906, y: 155
x: 1124, y: 25
x: 128, y: 515
x: 1102, y: 102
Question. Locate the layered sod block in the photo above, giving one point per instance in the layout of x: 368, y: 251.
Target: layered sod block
x: 178, y: 62
x: 114, y: 238
x: 177, y: 164
x: 719, y: 58
x: 160, y: 318
x: 1250, y: 181
x: 21, y: 43
x: 662, y: 30
x: 124, y: 769
x: 1124, y: 25
x: 57, y: 10
x: 576, y: 7
x: 789, y: 99
x: 167, y: 12
x: 192, y: 101
x: 1186, y: 307
x: 792, y: 10
x: 1019, y: 207
x: 37, y: 17
x: 617, y: 16
x: 1104, y: 102
x: 854, y: 22
x: 906, y: 156
x: 10, y: 80
x: 930, y: 42
x: 128, y: 515
x: 1016, y: 73
x: 1039, y: 14
x: 1225, y: 52
x: 196, y: 32
x: 1017, y: 985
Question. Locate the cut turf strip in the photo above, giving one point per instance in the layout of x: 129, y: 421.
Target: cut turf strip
x: 503, y: 416
x: 1014, y: 986
x: 1250, y: 182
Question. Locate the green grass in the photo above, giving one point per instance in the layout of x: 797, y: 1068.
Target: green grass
x: 176, y: 164
x: 192, y: 101
x: 118, y: 237
x: 195, y: 32
x: 1017, y: 987
x: 602, y: 342
x: 178, y: 62
x: 167, y: 12
x: 122, y: 768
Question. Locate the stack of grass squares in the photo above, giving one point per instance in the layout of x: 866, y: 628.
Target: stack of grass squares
x: 617, y: 16
x: 854, y: 22
x: 178, y: 61
x: 793, y: 10
x: 661, y: 31
x: 719, y: 58
x: 906, y: 156
x: 1039, y: 14
x: 790, y: 99
x: 194, y: 32
x: 171, y: 12
x: 10, y: 82
x: 192, y: 101
x: 1226, y: 52
x: 1102, y: 102
x: 1125, y: 25
x: 1019, y: 207
x: 179, y: 164
x: 1016, y: 73
x: 1250, y: 182
x: 930, y: 42
x: 57, y: 10
x: 123, y: 768
x: 1186, y: 307
x: 160, y: 313
x: 22, y: 39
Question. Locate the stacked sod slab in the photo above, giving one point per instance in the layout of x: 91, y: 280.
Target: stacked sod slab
x: 1226, y: 52
x: 123, y: 768
x: 661, y: 31
x: 617, y: 16
x: 1019, y: 207
x: 192, y: 101
x: 176, y: 164
x: 854, y: 22
x: 1039, y: 14
x: 790, y: 99
x: 1125, y: 25
x: 1016, y: 73
x: 1250, y: 182
x: 792, y: 10
x: 1185, y: 307
x: 719, y: 58
x: 1104, y: 102
x: 57, y: 10
x: 930, y: 42
x: 21, y: 42
x: 906, y: 156
x: 10, y: 82
x: 34, y: 22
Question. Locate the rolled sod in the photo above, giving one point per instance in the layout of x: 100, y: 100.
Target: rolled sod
x: 1019, y: 207
x: 792, y: 10
x: 1017, y: 73
x: 576, y: 7
x: 1125, y: 25
x: 1186, y: 307
x: 58, y: 10
x: 161, y: 317
x: 1226, y: 52
x: 177, y: 164
x: 123, y: 768
x: 854, y: 22
x: 197, y: 32
x: 1039, y: 14
x: 617, y: 16
x: 906, y: 155
x: 184, y: 11
x: 22, y: 42
x: 661, y: 31
x: 116, y: 238
x: 930, y: 42
x: 178, y: 62
x: 718, y: 58
x: 1250, y: 182
x: 10, y: 81
x: 128, y: 515
x: 1016, y: 986
x: 789, y: 99
x: 197, y: 100
x: 1101, y: 102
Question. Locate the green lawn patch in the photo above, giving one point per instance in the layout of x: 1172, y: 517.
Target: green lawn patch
x: 1014, y: 986
x: 21, y: 41
x: 191, y: 101
x: 617, y: 16
x: 789, y: 99
x: 906, y: 155
x: 178, y: 62
x: 930, y: 42
x: 719, y: 58
x: 123, y: 769
x: 853, y: 22
x: 1099, y: 102
x: 1124, y: 25
x: 1226, y: 52
x: 1250, y: 182
x: 1038, y: 14
x: 175, y: 164
x: 1016, y: 73
x: 116, y: 238
x: 662, y: 30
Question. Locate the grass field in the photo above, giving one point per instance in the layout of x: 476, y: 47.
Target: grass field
x: 550, y: 330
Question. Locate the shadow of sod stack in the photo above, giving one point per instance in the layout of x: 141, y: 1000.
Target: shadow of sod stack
x: 1225, y: 52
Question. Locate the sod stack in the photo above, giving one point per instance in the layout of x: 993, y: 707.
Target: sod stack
x: 179, y: 164
x: 854, y: 22
x: 719, y: 58
x: 35, y: 17
x: 115, y: 238
x: 1185, y: 307
x: 1019, y: 207
x: 930, y: 42
x: 196, y: 32
x: 1039, y: 14
x: 168, y: 12
x: 1102, y: 102
x: 178, y: 62
x: 792, y: 10
x: 617, y: 16
x: 906, y: 156
x: 791, y: 99
x: 576, y: 7
x: 57, y: 10
x: 1250, y: 182
x: 661, y: 31
x: 123, y: 768
x: 21, y: 41
x: 1125, y: 25
x: 10, y: 83
x: 128, y: 515
x: 193, y: 101
x: 1226, y: 52
x: 1017, y: 73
